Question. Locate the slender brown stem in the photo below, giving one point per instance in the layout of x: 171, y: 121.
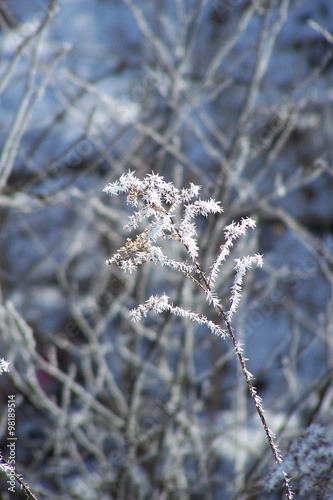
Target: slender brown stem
x: 23, y: 485
x: 253, y: 391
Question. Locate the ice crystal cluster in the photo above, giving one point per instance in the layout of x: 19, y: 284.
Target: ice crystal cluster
x: 4, y: 366
x: 158, y: 203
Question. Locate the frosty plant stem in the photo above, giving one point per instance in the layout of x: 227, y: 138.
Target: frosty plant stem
x: 159, y: 203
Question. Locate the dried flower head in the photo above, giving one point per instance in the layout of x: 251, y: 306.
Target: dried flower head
x: 157, y: 202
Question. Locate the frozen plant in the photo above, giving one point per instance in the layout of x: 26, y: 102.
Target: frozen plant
x: 4, y: 366
x: 310, y: 462
x: 158, y: 203
x: 9, y: 470
x: 5, y: 467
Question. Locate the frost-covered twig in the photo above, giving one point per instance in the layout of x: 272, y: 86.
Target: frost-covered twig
x: 32, y: 94
x: 160, y: 203
x: 9, y: 471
